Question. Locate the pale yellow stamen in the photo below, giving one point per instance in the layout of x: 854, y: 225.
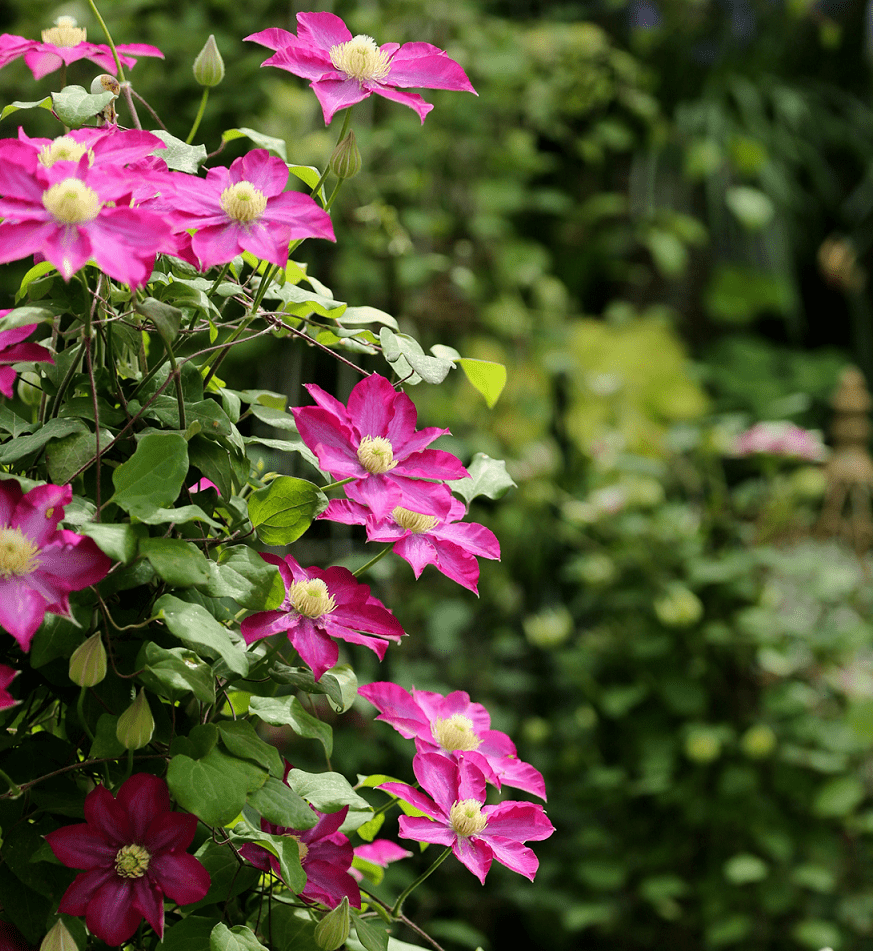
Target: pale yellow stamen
x: 466, y: 817
x: 132, y: 861
x: 376, y: 455
x: 65, y: 33
x: 18, y: 554
x: 243, y: 202
x: 72, y: 202
x: 360, y: 59
x: 310, y: 598
x: 413, y: 522
x: 64, y: 149
x: 302, y: 848
x: 455, y: 733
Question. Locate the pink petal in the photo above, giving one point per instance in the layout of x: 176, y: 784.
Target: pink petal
x: 422, y: 66
x: 475, y: 855
x: 397, y: 707
x: 149, y: 902
x: 169, y: 832
x: 382, y: 852
x: 78, y: 896
x: 514, y: 856
x: 322, y: 30
x: 522, y: 821
x: 411, y: 99
x: 329, y: 884
x: 415, y: 798
x: 336, y: 94
x: 110, y: 914
x: 80, y: 846
x: 180, y: 876
x: 107, y: 818
x: 315, y: 648
x: 426, y: 830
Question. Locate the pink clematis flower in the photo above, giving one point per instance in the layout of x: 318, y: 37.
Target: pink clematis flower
x: 13, y: 350
x: 7, y: 675
x: 381, y: 852
x: 375, y: 442
x: 132, y: 849
x: 40, y: 564
x: 320, y: 605
x: 457, y: 817
x: 111, y: 147
x: 246, y: 208
x: 346, y: 69
x: 66, y: 43
x: 781, y: 438
x: 68, y: 213
x: 448, y: 543
x: 456, y: 727
x: 325, y: 854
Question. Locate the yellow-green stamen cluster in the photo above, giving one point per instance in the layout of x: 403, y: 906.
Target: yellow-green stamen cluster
x: 311, y: 598
x: 376, y: 454
x: 64, y: 149
x: 455, y: 733
x: 132, y: 861
x: 466, y: 817
x: 413, y: 522
x: 71, y: 202
x: 18, y: 554
x: 65, y: 32
x: 360, y: 59
x: 243, y: 202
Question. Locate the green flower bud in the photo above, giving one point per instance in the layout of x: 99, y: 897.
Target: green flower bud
x: 346, y: 159
x: 209, y: 66
x: 105, y: 82
x: 88, y: 663
x: 58, y: 939
x: 136, y: 724
x: 333, y: 930
x: 30, y: 387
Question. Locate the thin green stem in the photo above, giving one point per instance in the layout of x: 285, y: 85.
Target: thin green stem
x: 373, y: 561
x: 80, y: 709
x: 105, y: 28
x: 199, y: 117
x: 14, y: 789
x: 398, y: 905
x: 336, y: 485
x: 347, y: 118
x: 68, y: 376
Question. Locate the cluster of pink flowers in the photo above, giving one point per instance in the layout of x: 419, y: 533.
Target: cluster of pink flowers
x: 780, y: 438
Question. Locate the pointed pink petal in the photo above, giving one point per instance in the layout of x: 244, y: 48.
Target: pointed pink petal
x: 169, y: 832
x: 180, y: 876
x: 422, y: 66
x: 322, y: 30
x: 78, y: 896
x: 377, y: 409
x: 522, y: 821
x: 110, y: 914
x: 264, y: 624
x: 79, y: 846
x: 475, y: 854
x: 426, y: 830
x: 397, y: 707
x: 336, y: 94
x: 514, y: 855
x: 315, y: 648
x: 415, y: 798
x: 107, y: 817
x: 149, y: 902
x: 411, y: 99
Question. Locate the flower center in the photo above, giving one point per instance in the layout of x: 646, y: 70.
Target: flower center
x: 72, y: 202
x: 455, y: 733
x: 18, y: 554
x: 376, y: 455
x: 65, y: 33
x: 360, y: 59
x: 466, y: 817
x: 243, y: 202
x: 132, y: 861
x: 302, y: 848
x: 64, y: 149
x: 413, y: 522
x: 310, y: 598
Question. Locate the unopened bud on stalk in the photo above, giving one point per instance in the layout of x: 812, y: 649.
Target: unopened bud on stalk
x: 136, y: 724
x: 209, y: 66
x: 105, y: 83
x: 346, y: 159
x: 88, y: 663
x: 333, y: 930
x: 58, y: 939
x: 30, y: 387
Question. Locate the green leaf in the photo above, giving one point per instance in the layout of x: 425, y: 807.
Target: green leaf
x: 224, y: 465
x: 240, y: 738
x: 309, y: 175
x: 179, y: 155
x: 243, y: 575
x: 285, y: 509
x: 371, y: 936
x: 407, y: 357
x: 238, y: 938
x: 192, y: 934
x: 181, y: 564
x: 197, y: 628
x: 839, y: 796
x: 66, y: 456
x: 175, y: 672
x: 36, y: 104
x: 74, y: 105
x: 347, y: 683
x: 119, y: 542
x: 288, y: 711
x: 291, y: 929
x: 488, y: 378
x: 177, y: 516
x: 22, y: 446
x: 106, y: 741
x: 362, y: 316
x: 487, y: 477
x: 166, y: 318
x: 152, y: 478
x: 280, y: 805
x: 270, y: 142
x: 745, y: 868
x: 227, y: 878
x: 215, y: 787
x: 750, y: 206
x: 29, y: 313
x: 330, y: 792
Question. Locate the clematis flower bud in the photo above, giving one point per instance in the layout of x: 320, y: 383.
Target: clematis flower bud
x: 136, y: 725
x: 209, y: 66
x: 58, y: 939
x: 333, y: 930
x: 346, y: 159
x: 88, y: 663
x: 29, y: 388
x: 105, y: 82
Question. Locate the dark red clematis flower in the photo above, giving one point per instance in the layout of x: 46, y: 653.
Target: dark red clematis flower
x: 132, y: 850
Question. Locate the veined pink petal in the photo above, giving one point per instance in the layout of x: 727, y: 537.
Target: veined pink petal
x: 314, y: 646
x: 416, y: 798
x: 426, y: 830
x: 322, y: 30
x: 423, y: 66
x: 411, y: 99
x: 396, y: 707
x: 79, y: 846
x: 110, y: 914
x: 148, y: 899
x: 180, y: 876
x: 475, y: 854
x: 513, y: 855
x: 522, y: 821
x: 107, y: 818
x: 77, y: 897
x: 382, y: 852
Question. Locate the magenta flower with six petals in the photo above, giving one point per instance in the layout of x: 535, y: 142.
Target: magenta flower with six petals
x: 346, y: 69
x: 132, y: 849
x: 374, y: 441
x: 456, y: 727
x: 457, y: 817
x: 246, y: 208
x: 40, y: 564
x: 13, y: 350
x: 325, y: 855
x: 448, y: 543
x: 318, y: 606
